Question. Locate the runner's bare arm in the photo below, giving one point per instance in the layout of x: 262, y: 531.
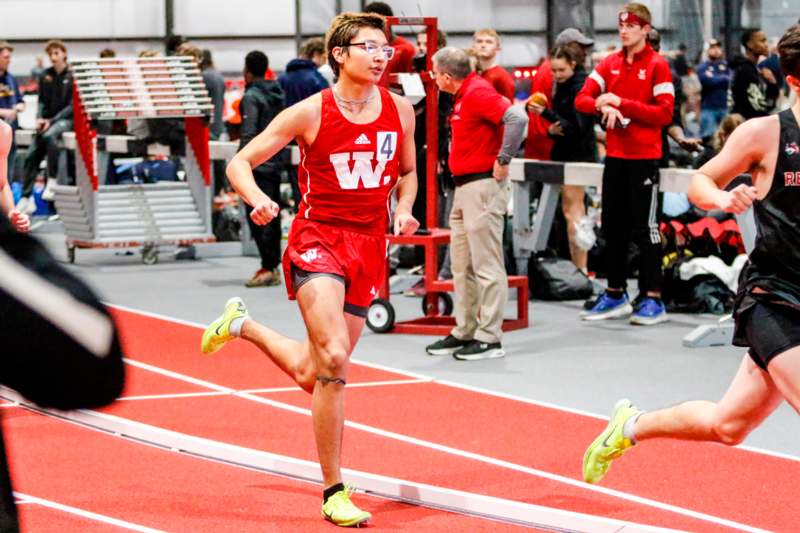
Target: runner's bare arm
x: 6, y: 198
x: 404, y: 222
x: 19, y: 220
x: 744, y: 152
x: 293, y: 122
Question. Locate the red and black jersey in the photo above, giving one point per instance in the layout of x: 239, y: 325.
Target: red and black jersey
x: 647, y: 94
x: 347, y: 173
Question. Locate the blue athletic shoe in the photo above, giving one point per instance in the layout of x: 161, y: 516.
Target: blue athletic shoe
x: 649, y: 311
x: 607, y: 307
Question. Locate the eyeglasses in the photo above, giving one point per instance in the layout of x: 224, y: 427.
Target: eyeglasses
x: 372, y: 48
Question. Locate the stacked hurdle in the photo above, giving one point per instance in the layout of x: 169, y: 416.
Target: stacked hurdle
x: 146, y: 215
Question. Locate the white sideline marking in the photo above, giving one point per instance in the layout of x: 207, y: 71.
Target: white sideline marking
x: 431, y: 379
x: 460, y: 453
x: 251, y: 391
x: 432, y: 496
x: 169, y: 396
x: 85, y: 514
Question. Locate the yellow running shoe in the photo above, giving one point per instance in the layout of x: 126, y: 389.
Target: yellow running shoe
x: 218, y: 333
x: 341, y: 511
x: 610, y: 444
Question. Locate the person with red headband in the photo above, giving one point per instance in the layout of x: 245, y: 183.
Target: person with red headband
x: 632, y: 91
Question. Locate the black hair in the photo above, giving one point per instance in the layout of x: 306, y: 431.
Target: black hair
x: 747, y: 34
x: 256, y: 63
x: 381, y: 8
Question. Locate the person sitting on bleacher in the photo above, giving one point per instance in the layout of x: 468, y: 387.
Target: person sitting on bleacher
x: 53, y: 118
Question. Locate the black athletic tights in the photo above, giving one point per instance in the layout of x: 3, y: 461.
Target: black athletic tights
x: 630, y: 212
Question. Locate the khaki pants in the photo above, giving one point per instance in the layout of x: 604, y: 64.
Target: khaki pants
x: 476, y: 254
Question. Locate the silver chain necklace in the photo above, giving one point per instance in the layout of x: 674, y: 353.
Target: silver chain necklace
x: 351, y: 103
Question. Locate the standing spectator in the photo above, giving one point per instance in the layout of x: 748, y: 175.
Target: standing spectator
x: 675, y: 128
x: 773, y: 64
x: 538, y: 144
x: 572, y: 133
x: 106, y: 53
x: 301, y: 78
x: 53, y: 118
x: 11, y: 103
x: 38, y: 68
x: 632, y: 91
x: 486, y: 44
x: 486, y: 132
x: 403, y: 58
x: 215, y: 84
x: 315, y: 48
x: 262, y: 101
x: 679, y: 63
x: 715, y: 78
x: 754, y: 91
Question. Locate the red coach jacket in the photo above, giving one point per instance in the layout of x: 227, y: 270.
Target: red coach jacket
x: 645, y: 88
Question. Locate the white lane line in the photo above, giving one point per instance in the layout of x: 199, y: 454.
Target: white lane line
x: 86, y: 514
x: 246, y: 391
x: 169, y: 396
x: 462, y: 453
x: 487, y: 392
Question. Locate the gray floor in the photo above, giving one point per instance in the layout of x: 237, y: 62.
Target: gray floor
x: 557, y: 360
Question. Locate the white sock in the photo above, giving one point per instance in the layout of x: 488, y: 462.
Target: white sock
x: 236, y: 326
x: 627, y: 429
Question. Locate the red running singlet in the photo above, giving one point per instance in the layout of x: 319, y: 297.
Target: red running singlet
x: 348, y: 172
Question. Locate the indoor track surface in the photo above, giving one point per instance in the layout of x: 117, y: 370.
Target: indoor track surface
x: 476, y: 461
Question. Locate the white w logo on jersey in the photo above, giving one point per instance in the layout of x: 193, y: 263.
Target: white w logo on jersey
x: 362, y: 170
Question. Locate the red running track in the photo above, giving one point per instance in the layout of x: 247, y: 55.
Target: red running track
x: 152, y: 487
x: 711, y: 479
x: 707, y: 478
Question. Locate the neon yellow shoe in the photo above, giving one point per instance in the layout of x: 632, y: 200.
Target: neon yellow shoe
x: 218, y: 333
x: 610, y: 444
x: 341, y: 511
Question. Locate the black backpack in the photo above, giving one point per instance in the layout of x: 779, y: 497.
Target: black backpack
x: 554, y: 278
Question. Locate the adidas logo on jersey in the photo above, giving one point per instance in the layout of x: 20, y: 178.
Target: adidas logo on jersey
x: 362, y: 139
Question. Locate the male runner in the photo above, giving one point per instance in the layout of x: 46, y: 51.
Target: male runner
x: 18, y: 220
x: 767, y: 308
x: 355, y: 139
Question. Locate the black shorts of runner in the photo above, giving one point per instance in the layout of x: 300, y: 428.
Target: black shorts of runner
x: 300, y: 277
x: 769, y: 329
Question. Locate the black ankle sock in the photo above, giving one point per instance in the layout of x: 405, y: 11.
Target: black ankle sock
x: 330, y: 491
x: 616, y: 294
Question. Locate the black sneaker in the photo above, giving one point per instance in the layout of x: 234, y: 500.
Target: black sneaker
x: 480, y: 350
x: 446, y: 346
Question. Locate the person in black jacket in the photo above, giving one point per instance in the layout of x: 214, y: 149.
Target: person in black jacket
x: 754, y: 91
x: 262, y: 101
x: 572, y: 133
x: 61, y: 348
x: 53, y: 118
